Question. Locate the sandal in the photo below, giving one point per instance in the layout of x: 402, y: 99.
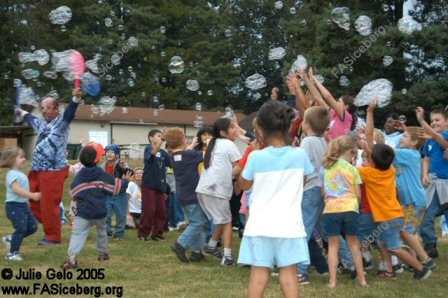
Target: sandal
x: 385, y: 274
x: 103, y: 257
x: 69, y: 265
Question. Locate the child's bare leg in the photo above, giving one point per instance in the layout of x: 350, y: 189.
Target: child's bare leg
x: 353, y: 245
x: 407, y: 258
x: 288, y: 281
x: 386, y: 257
x: 333, y: 260
x: 227, y: 234
x: 259, y: 278
x: 412, y: 241
x: 217, y: 232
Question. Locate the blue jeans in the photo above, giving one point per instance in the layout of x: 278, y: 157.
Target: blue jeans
x: 23, y: 222
x: 118, y: 206
x: 312, y: 207
x: 427, y: 231
x: 175, y: 213
x: 194, y: 234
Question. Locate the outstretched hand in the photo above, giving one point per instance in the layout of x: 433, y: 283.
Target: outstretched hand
x: 420, y: 114
x: 77, y: 93
x: 372, y: 105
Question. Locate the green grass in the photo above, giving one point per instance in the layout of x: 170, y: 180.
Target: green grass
x: 152, y: 270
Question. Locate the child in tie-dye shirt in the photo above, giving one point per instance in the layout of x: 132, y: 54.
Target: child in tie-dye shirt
x: 341, y: 188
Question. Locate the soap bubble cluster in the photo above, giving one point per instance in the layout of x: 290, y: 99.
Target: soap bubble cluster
x: 277, y: 53
x: 363, y: 25
x: 380, y: 90
x: 192, y: 85
x: 299, y: 64
x: 341, y: 17
x: 256, y: 81
x: 61, y: 15
x: 408, y: 25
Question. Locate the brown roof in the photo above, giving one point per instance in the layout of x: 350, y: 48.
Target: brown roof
x: 147, y: 115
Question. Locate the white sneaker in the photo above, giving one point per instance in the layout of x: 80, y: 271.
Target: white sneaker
x: 7, y: 242
x: 14, y: 257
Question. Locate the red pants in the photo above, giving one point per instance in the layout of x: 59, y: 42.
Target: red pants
x: 154, y: 213
x: 51, y: 185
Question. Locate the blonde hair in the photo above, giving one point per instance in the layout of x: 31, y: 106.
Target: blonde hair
x: 336, y: 148
x: 413, y: 133
x: 378, y: 136
x: 9, y: 155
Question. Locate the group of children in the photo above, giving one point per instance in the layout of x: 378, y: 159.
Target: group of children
x: 290, y: 191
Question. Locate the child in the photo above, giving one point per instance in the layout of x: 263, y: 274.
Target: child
x: 274, y: 233
x: 118, y: 204
x: 17, y: 209
x: 215, y: 186
x: 435, y: 177
x: 185, y: 164
x: 154, y: 188
x: 379, y: 182
x: 203, y: 136
x: 342, y: 195
x: 315, y: 123
x: 90, y: 189
x: 135, y: 197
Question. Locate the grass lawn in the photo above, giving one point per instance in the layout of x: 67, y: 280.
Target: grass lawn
x: 150, y: 269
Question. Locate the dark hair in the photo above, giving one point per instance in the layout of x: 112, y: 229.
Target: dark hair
x: 275, y: 118
x: 218, y: 126
x: 153, y: 132
x: 87, y: 156
x: 393, y: 115
x: 382, y: 156
x: 349, y: 101
x: 201, y: 131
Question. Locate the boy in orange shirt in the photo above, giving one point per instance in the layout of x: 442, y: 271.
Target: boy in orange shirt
x: 379, y: 182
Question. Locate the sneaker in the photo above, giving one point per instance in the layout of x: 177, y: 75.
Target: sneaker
x: 406, y: 267
x: 397, y: 269
x: 69, y: 265
x: 13, y: 257
x: 7, y: 242
x: 171, y: 229
x: 303, y: 279
x: 227, y: 261
x: 275, y: 274
x: 429, y: 263
x: 179, y: 250
x: 141, y: 238
x: 103, y: 257
x: 368, y: 265
x: 385, y: 274
x: 196, y: 257
x: 212, y: 251
x: 424, y: 274
x: 181, y: 225
x: 46, y: 242
x: 432, y: 251
x: 158, y: 238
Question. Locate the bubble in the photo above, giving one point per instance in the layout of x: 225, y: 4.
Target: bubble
x: 277, y: 53
x: 134, y: 151
x: 108, y: 22
x: 328, y: 22
x: 199, y: 92
x: 320, y: 78
x: 17, y: 83
x: 164, y: 80
x: 341, y: 16
x: 94, y: 109
x: 25, y: 57
x: 161, y: 107
x: 24, y: 22
x: 27, y: 96
x: 380, y: 90
x: 404, y: 91
x: 61, y: 15
x: 39, y: 84
x: 229, y: 112
x: 388, y: 43
x: 210, y: 92
x: 131, y: 83
x: 100, y: 2
x: 50, y: 74
x: 106, y: 104
x: 408, y: 25
x: 162, y: 29
x: 256, y: 81
x: 236, y: 63
x: 192, y: 85
x: 133, y: 75
x: 242, y: 28
x: 386, y: 7
x: 277, y: 65
x: 132, y: 41
x: 387, y: 60
x: 155, y: 99
x: 198, y: 106
x: 41, y: 56
x: 124, y: 110
x: 155, y: 112
x: 32, y: 48
x: 199, y: 122
x: 299, y: 64
x: 112, y: 13
x: 90, y: 84
x: 120, y: 27
x: 278, y: 5
x: 27, y: 73
x: 292, y: 10
x: 344, y: 81
x: 115, y: 59
x: 123, y: 36
x: 163, y: 54
x: 228, y: 32
x: 176, y: 65
x: 402, y: 119
x: 108, y: 77
x: 110, y: 41
x: 6, y: 76
x: 363, y: 25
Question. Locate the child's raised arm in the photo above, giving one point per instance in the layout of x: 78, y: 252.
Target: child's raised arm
x: 294, y: 88
x: 419, y: 112
x: 310, y: 85
x: 370, y: 127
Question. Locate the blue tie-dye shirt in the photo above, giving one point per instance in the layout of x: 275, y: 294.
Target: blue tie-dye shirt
x: 51, y: 145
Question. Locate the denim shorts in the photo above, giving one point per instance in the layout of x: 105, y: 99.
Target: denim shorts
x: 412, y: 218
x: 337, y: 223
x: 269, y: 251
x: 366, y: 228
x: 389, y: 234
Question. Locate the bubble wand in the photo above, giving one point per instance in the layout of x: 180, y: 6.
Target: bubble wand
x: 78, y: 65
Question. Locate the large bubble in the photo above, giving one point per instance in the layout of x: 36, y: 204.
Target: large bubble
x: 106, y: 105
x: 277, y: 53
x: 341, y: 16
x: 408, y: 25
x: 176, y: 65
x: 363, y: 25
x: 61, y: 15
x: 387, y: 60
x: 278, y: 4
x: 380, y: 90
x: 344, y: 81
x: 299, y: 64
x: 192, y: 85
x: 26, y: 96
x: 90, y: 84
x: 256, y: 81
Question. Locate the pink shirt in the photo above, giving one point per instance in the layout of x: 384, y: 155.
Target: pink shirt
x: 337, y: 126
